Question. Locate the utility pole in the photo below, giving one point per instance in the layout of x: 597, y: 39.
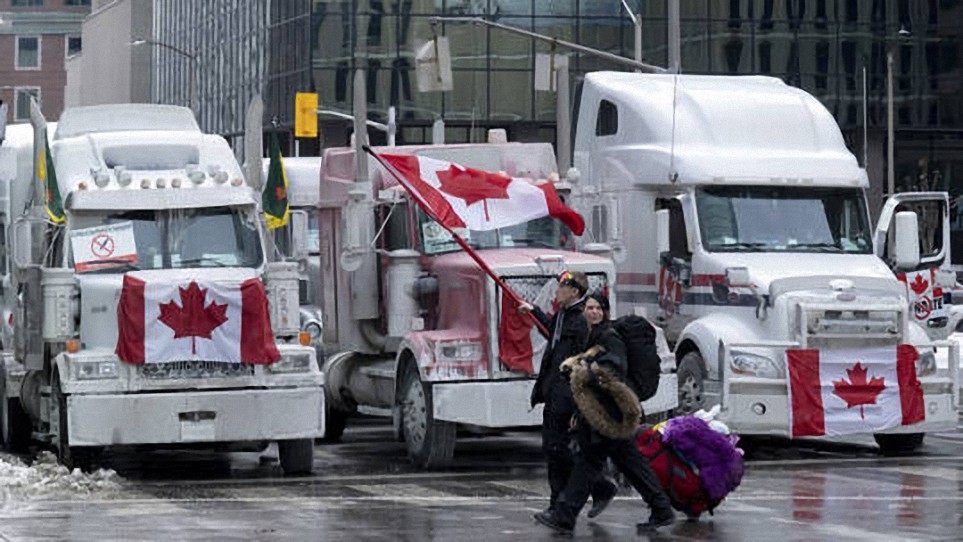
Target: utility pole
x: 675, y: 38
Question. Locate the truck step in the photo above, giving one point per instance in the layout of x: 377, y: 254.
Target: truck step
x: 374, y: 411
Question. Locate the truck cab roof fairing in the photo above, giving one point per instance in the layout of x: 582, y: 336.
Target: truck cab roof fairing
x: 772, y: 132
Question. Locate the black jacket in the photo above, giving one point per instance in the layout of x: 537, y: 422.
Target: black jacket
x: 570, y: 340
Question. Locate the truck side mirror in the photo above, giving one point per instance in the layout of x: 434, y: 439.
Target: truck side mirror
x: 24, y: 230
x: 907, y: 240
x: 662, y: 231
x: 298, y: 222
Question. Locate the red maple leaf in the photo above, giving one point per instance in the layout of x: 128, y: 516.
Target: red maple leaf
x: 919, y: 285
x: 192, y: 318
x: 858, y: 392
x: 473, y: 185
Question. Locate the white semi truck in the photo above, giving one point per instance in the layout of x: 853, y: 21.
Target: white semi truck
x: 738, y: 222
x: 148, y: 200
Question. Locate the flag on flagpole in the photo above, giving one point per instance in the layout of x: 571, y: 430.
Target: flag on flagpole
x: 275, y: 196
x: 471, y: 184
x: 48, y: 176
x: 171, y: 320
x: 464, y: 197
x: 850, y: 391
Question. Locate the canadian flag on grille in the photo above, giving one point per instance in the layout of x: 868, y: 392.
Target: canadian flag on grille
x: 844, y: 392
x: 197, y: 320
x: 463, y: 197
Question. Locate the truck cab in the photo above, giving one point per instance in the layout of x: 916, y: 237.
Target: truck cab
x: 100, y: 355
x: 739, y: 224
x: 412, y: 323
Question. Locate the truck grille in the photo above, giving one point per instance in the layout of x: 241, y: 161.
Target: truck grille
x: 530, y: 286
x: 183, y: 370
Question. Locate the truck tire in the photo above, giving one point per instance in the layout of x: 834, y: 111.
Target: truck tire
x: 15, y: 425
x: 72, y: 457
x: 691, y: 383
x: 296, y: 456
x: 335, y: 420
x: 430, y: 442
x: 898, y: 443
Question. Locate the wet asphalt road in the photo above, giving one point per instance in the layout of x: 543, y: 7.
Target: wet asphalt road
x: 364, y: 489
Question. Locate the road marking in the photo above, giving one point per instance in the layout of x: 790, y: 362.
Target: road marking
x: 850, y: 461
x: 940, y: 473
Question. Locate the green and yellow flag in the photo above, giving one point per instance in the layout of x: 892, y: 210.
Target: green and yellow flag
x: 48, y: 176
x: 275, y: 196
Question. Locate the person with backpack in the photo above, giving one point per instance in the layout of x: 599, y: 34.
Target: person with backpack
x: 568, y: 331
x: 606, y: 421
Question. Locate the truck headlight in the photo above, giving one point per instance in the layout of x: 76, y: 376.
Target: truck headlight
x: 297, y: 362
x: 926, y: 363
x: 460, y: 351
x: 744, y: 363
x: 93, y: 369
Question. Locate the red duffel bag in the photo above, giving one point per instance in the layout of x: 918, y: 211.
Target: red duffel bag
x: 678, y: 478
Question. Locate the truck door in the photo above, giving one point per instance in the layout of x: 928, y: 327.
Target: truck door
x: 675, y: 271
x: 928, y: 291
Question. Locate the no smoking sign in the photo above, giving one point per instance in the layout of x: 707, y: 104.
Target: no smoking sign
x: 102, y: 245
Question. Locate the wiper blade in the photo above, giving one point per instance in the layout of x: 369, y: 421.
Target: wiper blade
x: 832, y: 247
x: 111, y: 264
x: 202, y: 260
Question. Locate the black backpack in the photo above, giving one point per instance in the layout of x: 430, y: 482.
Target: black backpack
x: 642, y: 357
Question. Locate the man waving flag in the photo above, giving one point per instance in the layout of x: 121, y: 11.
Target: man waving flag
x: 275, y: 196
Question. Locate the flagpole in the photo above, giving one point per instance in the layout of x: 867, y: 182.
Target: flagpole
x: 458, y: 239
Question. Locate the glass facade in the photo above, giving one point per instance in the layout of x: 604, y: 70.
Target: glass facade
x: 822, y: 46
x: 231, y: 51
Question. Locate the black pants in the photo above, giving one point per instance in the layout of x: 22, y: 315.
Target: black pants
x: 556, y: 443
x: 587, y: 470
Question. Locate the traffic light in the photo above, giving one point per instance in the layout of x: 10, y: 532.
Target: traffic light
x: 306, y: 114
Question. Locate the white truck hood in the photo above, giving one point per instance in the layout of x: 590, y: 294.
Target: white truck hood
x: 99, y: 294
x: 807, y: 270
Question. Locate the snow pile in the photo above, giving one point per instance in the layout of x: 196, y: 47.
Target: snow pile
x: 46, y: 479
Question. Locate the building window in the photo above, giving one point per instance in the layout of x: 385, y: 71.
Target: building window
x: 608, y: 121
x: 25, y: 3
x: 72, y: 45
x: 28, y: 53
x: 22, y: 96
x: 76, y: 2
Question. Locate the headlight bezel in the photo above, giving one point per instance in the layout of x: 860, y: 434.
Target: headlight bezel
x: 753, y: 364
x: 458, y: 351
x: 291, y: 362
x: 94, y: 369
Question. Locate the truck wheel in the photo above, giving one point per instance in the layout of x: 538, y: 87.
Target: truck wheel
x: 70, y: 456
x: 898, y: 443
x: 296, y: 456
x: 16, y: 426
x: 430, y: 443
x: 691, y: 385
x: 335, y: 420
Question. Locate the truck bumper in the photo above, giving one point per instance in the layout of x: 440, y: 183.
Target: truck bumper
x: 757, y: 406
x: 195, y: 416
x: 506, y: 403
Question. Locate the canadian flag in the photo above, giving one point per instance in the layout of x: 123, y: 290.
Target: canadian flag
x: 849, y: 391
x: 520, y: 344
x: 463, y: 197
x: 198, y: 320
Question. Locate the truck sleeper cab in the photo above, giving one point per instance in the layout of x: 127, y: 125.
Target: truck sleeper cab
x: 755, y: 239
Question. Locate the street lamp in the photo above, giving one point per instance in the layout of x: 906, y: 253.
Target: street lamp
x: 190, y: 56
x: 890, y: 136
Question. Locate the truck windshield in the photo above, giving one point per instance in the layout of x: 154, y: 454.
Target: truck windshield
x: 783, y: 219
x: 165, y: 239
x: 542, y: 233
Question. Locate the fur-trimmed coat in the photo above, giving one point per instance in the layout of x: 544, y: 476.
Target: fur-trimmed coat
x: 604, y: 401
